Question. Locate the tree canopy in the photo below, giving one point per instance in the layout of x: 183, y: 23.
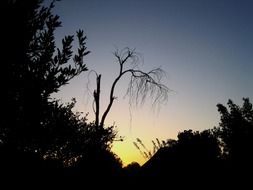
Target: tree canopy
x: 236, y: 130
x: 35, y: 67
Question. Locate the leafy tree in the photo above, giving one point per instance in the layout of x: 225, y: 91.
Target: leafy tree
x: 236, y: 130
x: 35, y: 127
x: 35, y: 69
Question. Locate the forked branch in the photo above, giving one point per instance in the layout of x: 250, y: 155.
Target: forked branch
x: 142, y: 85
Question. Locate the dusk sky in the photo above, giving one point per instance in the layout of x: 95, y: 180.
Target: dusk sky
x: 205, y: 47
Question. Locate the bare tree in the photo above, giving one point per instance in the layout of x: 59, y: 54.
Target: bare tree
x: 142, y: 85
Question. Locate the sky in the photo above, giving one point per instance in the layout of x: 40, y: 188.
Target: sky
x: 204, y: 46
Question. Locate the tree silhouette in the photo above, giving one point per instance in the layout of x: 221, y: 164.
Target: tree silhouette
x: 40, y: 136
x: 141, y: 85
x: 236, y: 131
x: 35, y: 68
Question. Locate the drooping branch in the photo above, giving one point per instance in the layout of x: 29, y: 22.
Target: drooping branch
x: 141, y: 85
x: 144, y: 85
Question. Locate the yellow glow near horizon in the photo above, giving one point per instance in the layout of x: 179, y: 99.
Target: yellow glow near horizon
x: 127, y: 152
x: 147, y: 125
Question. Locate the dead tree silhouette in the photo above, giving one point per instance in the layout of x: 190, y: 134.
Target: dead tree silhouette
x: 142, y: 85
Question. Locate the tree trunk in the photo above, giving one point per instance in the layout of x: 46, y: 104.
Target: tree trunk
x: 97, y: 98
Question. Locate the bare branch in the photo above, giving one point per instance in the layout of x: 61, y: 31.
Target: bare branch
x: 122, y: 57
x: 127, y: 55
x: 142, y: 85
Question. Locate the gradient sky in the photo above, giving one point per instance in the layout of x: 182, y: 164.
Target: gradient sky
x: 205, y: 47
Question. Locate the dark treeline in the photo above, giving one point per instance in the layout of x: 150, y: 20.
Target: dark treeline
x: 43, y: 140
x: 219, y: 156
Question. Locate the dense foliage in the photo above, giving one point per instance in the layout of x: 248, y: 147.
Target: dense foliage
x: 37, y: 131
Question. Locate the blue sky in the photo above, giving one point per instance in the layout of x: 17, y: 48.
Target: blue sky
x: 205, y: 47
